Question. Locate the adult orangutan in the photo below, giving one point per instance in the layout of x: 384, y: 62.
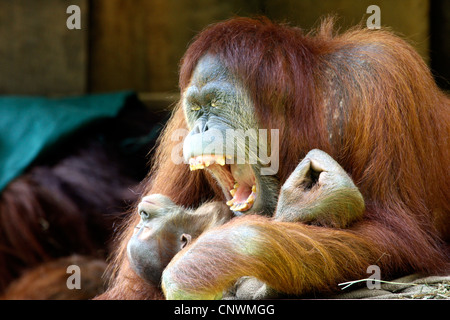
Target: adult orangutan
x: 364, y: 98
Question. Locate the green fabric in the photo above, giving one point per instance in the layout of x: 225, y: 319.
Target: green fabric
x: 28, y: 125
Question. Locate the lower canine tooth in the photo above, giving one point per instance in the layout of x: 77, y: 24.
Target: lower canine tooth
x: 221, y: 161
x: 230, y: 203
x: 233, y: 192
x: 254, y: 189
x: 239, y: 207
x: 243, y: 206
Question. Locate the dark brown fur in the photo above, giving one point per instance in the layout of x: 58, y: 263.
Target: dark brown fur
x: 71, y: 200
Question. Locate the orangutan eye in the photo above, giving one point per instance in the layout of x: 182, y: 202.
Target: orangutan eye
x: 195, y: 107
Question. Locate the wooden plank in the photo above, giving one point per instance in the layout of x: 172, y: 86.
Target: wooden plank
x: 409, y: 18
x: 39, y: 55
x: 138, y: 44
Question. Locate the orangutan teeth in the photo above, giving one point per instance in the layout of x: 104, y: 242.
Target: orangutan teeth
x: 251, y: 198
x: 221, y: 160
x: 202, y: 162
x: 233, y: 191
x: 241, y: 206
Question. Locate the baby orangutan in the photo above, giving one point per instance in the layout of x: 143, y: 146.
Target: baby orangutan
x: 165, y: 229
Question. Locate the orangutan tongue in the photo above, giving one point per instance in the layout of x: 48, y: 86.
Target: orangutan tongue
x: 244, y: 190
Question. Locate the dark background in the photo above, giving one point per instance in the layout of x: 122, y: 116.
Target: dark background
x: 137, y: 44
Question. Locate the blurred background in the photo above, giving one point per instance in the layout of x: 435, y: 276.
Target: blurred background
x: 138, y: 44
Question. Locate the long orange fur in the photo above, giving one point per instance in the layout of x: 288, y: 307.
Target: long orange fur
x: 366, y: 98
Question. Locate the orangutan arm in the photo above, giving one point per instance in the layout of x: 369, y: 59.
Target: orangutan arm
x: 318, y: 192
x: 264, y: 249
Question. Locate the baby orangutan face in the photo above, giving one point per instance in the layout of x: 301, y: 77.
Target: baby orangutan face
x: 165, y: 229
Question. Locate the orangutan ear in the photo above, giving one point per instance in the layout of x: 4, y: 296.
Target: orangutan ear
x: 185, y: 240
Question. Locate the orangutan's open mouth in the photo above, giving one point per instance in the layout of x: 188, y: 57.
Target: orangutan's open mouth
x: 237, y: 179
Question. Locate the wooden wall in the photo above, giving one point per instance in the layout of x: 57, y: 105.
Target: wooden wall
x: 440, y: 41
x: 409, y: 18
x: 137, y: 44
x: 38, y: 54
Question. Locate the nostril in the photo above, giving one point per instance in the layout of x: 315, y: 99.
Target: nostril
x: 200, y: 126
x: 196, y: 129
